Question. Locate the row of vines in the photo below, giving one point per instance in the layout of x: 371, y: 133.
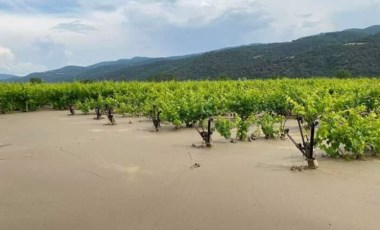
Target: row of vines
x: 348, y: 110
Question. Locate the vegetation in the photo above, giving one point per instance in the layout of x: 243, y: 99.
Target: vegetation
x: 272, y: 125
x: 348, y: 110
x: 343, y: 74
x: 224, y: 126
x: 35, y: 80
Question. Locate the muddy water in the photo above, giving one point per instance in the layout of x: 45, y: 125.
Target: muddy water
x: 73, y: 172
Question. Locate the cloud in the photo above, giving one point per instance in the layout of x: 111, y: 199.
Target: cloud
x: 185, y: 14
x: 39, y: 6
x: 75, y: 26
x: 6, y: 59
x: 310, y: 24
x: 306, y: 15
x: 229, y: 29
x: 9, y: 65
x: 49, y: 52
x: 102, y: 5
x: 25, y: 68
x: 52, y: 33
x: 358, y: 18
x: 180, y: 27
x: 43, y: 54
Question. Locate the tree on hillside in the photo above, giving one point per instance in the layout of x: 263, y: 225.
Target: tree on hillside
x: 35, y: 80
x: 343, y: 74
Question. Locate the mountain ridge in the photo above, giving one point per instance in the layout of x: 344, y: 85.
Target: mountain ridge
x: 7, y: 76
x: 355, y: 50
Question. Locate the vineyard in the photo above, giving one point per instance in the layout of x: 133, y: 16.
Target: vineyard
x: 347, y: 110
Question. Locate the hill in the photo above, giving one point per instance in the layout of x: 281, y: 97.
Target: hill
x: 7, y: 76
x: 355, y: 50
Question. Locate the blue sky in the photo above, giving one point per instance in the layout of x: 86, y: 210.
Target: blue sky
x: 40, y: 35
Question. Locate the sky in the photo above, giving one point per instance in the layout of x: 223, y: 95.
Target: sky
x: 41, y: 35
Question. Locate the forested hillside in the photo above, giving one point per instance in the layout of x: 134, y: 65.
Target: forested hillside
x: 357, y: 51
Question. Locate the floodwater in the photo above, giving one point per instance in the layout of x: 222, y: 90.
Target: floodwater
x: 74, y: 172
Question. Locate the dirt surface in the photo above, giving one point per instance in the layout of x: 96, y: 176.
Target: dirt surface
x: 73, y: 172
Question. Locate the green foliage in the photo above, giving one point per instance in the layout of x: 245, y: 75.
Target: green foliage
x: 245, y: 103
x: 224, y: 126
x: 348, y: 109
x: 343, y: 74
x: 84, y: 107
x: 242, y: 126
x: 35, y: 80
x: 312, y: 105
x: 271, y: 125
x: 223, y: 78
x: 162, y: 77
x: 123, y: 109
x: 349, y: 132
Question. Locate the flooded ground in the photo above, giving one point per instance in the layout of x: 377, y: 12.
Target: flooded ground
x: 74, y: 172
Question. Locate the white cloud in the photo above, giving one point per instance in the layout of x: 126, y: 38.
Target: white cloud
x: 76, y: 26
x: 24, y: 68
x: 6, y: 59
x: 290, y: 21
x: 47, y: 50
x: 9, y: 65
x: 90, y: 31
x: 183, y: 13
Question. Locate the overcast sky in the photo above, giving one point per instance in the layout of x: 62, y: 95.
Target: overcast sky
x: 40, y: 35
